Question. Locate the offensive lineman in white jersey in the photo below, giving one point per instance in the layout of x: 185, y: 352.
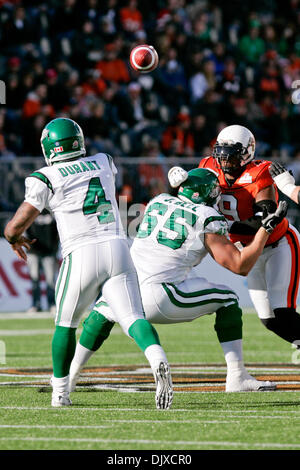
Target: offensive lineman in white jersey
x: 80, y: 191
x: 175, y: 235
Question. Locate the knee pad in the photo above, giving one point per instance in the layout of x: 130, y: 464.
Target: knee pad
x: 229, y: 324
x: 96, y: 329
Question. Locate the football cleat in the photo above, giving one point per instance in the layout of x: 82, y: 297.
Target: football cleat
x: 164, y: 387
x: 246, y: 383
x: 60, y: 399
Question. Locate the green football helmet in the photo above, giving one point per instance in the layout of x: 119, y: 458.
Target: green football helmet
x: 62, y: 139
x: 200, y: 187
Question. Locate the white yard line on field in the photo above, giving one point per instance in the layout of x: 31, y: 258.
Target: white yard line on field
x: 235, y: 414
x: 258, y: 445
x: 112, y: 422
x: 48, y: 331
x: 42, y: 331
x: 52, y: 426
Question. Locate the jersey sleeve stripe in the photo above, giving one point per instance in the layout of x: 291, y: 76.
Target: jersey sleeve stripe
x: 212, y: 219
x: 41, y: 177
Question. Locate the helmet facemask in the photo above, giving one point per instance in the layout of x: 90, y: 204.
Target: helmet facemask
x: 232, y: 156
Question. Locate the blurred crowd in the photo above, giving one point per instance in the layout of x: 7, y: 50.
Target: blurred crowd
x: 220, y: 63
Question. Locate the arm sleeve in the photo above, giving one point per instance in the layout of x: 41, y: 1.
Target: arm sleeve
x: 36, y: 193
x: 216, y: 224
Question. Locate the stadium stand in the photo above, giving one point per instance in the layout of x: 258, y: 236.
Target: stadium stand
x: 220, y: 63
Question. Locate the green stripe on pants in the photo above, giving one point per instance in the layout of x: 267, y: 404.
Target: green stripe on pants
x: 199, y: 302
x: 61, y: 303
x: 59, y: 279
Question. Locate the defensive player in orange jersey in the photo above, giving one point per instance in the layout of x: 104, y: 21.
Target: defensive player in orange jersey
x: 248, y: 190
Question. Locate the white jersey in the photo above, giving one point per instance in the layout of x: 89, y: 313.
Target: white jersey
x: 170, y: 240
x: 81, y: 195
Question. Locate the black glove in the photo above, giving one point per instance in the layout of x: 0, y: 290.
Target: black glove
x: 277, y: 169
x: 270, y: 220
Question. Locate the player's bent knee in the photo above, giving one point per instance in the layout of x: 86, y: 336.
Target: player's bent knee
x: 269, y: 323
x: 285, y: 323
x: 96, y: 329
x: 229, y: 324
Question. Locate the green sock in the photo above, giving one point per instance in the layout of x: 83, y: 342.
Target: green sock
x: 63, y: 349
x: 96, y: 328
x: 229, y: 324
x: 143, y: 333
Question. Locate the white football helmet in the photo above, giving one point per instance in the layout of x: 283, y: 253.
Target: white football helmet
x: 234, y: 148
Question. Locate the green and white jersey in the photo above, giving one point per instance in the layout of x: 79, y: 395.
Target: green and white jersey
x: 170, y: 240
x: 81, y: 195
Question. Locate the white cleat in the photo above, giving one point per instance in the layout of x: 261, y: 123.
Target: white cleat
x: 247, y: 383
x: 164, y: 387
x: 60, y: 399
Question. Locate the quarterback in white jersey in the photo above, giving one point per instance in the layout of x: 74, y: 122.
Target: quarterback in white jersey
x: 174, y: 236
x: 75, y: 191
x: 80, y: 192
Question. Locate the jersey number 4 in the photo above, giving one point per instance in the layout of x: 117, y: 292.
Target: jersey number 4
x: 173, y: 233
x: 96, y: 203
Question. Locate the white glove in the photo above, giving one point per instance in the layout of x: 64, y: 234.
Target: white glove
x: 284, y: 181
x: 176, y: 176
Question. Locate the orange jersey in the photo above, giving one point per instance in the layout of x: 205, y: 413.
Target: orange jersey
x: 237, y: 201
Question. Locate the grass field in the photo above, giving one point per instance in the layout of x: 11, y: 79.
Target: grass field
x: 114, y: 407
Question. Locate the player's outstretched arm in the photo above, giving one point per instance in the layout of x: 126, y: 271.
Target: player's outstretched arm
x: 20, y: 222
x: 241, y: 262
x: 285, y: 181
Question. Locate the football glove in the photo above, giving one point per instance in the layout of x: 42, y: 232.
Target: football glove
x: 176, y: 176
x: 270, y: 220
x: 283, y: 178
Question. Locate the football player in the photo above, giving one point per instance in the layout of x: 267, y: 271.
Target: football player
x: 247, y: 191
x: 80, y: 191
x: 176, y: 233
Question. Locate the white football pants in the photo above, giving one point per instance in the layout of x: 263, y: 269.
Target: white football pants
x: 175, y: 303
x: 87, y: 272
x: 273, y: 281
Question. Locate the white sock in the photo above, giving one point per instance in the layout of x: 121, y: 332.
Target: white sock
x: 233, y: 353
x: 81, y: 356
x: 155, y: 355
x: 60, y: 384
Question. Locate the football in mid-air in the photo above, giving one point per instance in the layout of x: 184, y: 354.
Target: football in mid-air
x: 144, y: 58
